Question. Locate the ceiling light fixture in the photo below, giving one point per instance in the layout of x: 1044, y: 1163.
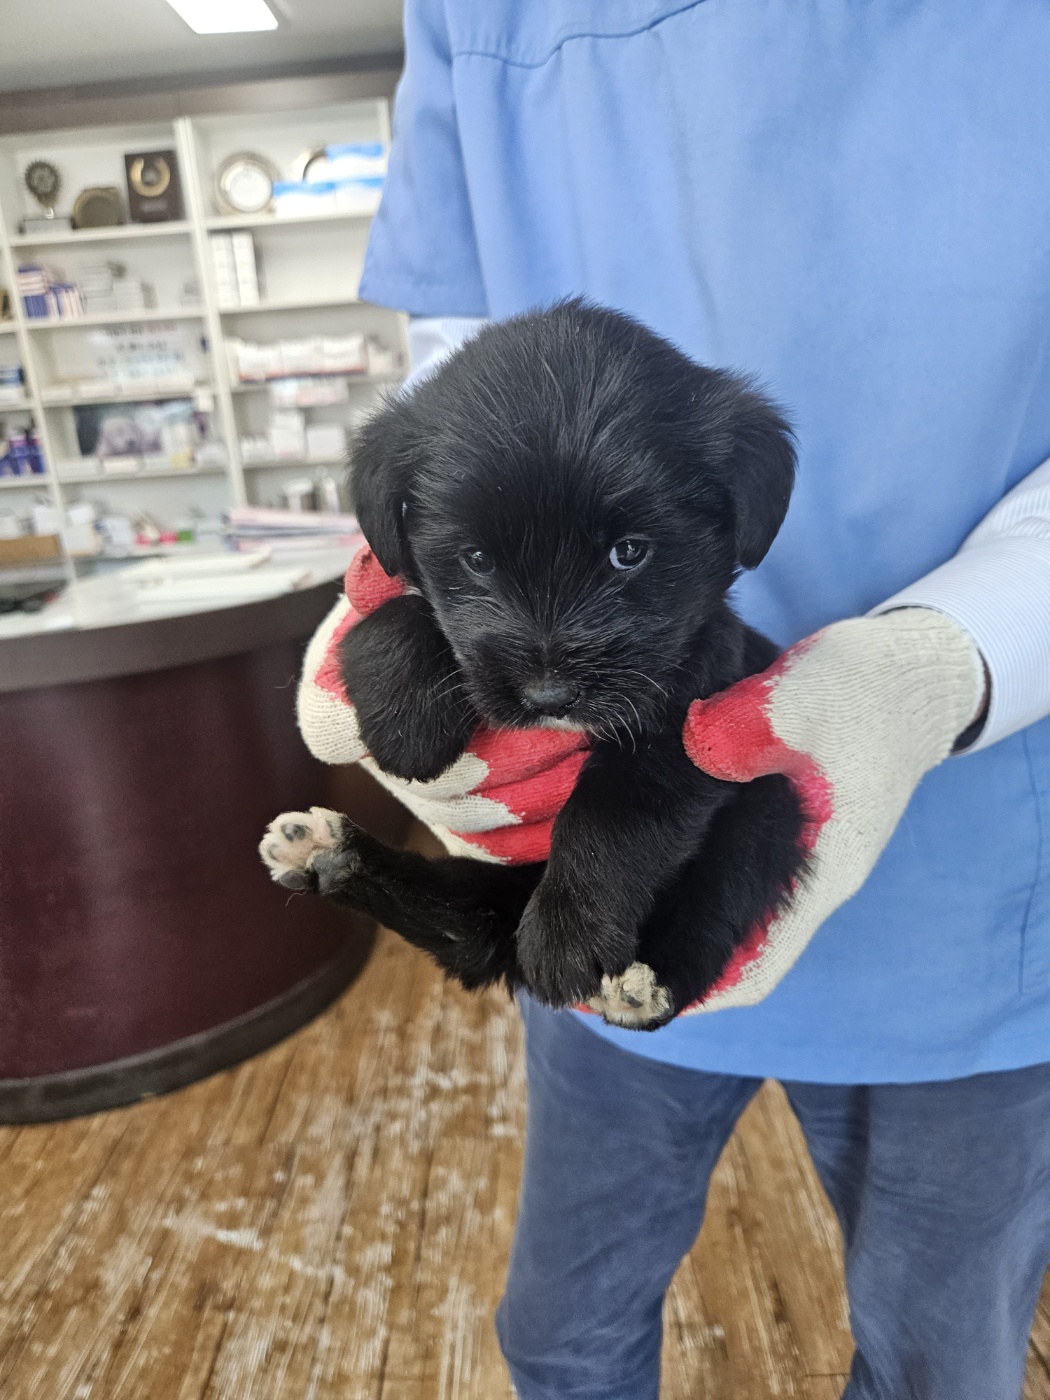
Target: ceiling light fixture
x: 225, y: 16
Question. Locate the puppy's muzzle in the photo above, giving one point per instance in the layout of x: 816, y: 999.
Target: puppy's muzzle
x: 550, y: 696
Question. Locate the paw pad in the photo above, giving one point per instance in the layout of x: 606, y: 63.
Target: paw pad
x: 634, y: 999
x: 294, y: 840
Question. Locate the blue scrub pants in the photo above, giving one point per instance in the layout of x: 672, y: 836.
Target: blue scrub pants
x: 942, y: 1191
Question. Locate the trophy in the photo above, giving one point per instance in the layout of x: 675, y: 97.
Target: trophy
x: 43, y: 182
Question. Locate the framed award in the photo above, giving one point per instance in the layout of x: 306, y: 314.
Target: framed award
x: 154, y: 190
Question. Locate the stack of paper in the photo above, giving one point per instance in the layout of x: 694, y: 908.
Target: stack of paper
x: 289, y: 531
x: 215, y: 578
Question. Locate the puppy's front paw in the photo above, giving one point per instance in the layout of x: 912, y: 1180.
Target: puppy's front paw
x: 308, y: 850
x: 561, y: 953
x: 635, y: 999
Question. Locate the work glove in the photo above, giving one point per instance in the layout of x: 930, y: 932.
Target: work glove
x: 854, y: 716
x: 497, y: 802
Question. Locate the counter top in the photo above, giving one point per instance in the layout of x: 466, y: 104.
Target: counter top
x: 98, y: 629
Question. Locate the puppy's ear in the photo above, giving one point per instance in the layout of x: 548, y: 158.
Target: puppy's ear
x: 760, y: 475
x: 385, y: 457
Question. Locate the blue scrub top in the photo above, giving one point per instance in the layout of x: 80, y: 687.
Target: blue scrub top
x: 851, y: 200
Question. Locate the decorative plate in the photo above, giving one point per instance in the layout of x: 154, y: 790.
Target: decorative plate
x: 244, y: 183
x: 99, y: 206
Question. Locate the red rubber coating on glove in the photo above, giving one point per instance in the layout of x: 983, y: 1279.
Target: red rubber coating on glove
x: 731, y: 736
x: 367, y: 585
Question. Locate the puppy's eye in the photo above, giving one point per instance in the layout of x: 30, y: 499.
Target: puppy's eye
x: 629, y: 553
x: 476, y: 561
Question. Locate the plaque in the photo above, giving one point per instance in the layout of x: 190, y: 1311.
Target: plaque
x: 154, y: 192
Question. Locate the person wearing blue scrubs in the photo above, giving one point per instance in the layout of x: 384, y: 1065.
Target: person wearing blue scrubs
x: 850, y: 201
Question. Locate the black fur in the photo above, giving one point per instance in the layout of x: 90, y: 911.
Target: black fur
x: 528, y: 455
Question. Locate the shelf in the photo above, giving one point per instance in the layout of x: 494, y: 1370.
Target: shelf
x: 12, y: 483
x: 234, y: 221
x: 311, y: 259
x: 69, y: 478
x: 117, y: 233
x: 117, y: 394
x: 115, y: 318
x: 252, y: 386
x: 299, y: 463
x: 292, y: 304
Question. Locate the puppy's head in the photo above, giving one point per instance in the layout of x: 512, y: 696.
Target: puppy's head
x: 574, y: 497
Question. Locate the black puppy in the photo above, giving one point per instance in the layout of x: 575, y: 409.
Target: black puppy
x: 569, y: 498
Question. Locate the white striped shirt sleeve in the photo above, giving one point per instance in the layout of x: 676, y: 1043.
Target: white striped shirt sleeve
x: 997, y: 588
x: 432, y: 339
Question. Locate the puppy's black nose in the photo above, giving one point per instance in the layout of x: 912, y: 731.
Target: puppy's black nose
x: 549, y: 695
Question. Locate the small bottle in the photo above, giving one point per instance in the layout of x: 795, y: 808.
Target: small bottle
x: 328, y: 493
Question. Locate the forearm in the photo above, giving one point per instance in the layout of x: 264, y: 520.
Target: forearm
x: 997, y: 588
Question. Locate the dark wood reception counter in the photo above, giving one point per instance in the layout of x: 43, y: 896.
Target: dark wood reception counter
x: 142, y: 944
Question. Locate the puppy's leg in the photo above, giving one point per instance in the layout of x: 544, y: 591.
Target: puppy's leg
x: 743, y: 873
x: 631, y: 823
x: 406, y: 686
x: 462, y: 912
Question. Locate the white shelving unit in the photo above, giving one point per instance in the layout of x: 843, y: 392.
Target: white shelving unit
x: 302, y: 303
x: 270, y: 221
x: 119, y: 393
x: 121, y: 234
x: 310, y: 268
x: 116, y: 318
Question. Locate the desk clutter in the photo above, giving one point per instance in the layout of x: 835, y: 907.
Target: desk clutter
x: 139, y: 359
x: 87, y: 530
x: 12, y: 382
x: 100, y: 286
x: 20, y: 452
x: 312, y: 372
x: 289, y: 438
x: 46, y: 295
x: 314, y: 356
x: 162, y: 435
x: 247, y: 528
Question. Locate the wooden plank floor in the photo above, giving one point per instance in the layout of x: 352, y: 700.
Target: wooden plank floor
x: 331, y: 1221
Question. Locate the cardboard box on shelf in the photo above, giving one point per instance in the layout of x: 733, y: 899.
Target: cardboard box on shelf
x: 29, y: 549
